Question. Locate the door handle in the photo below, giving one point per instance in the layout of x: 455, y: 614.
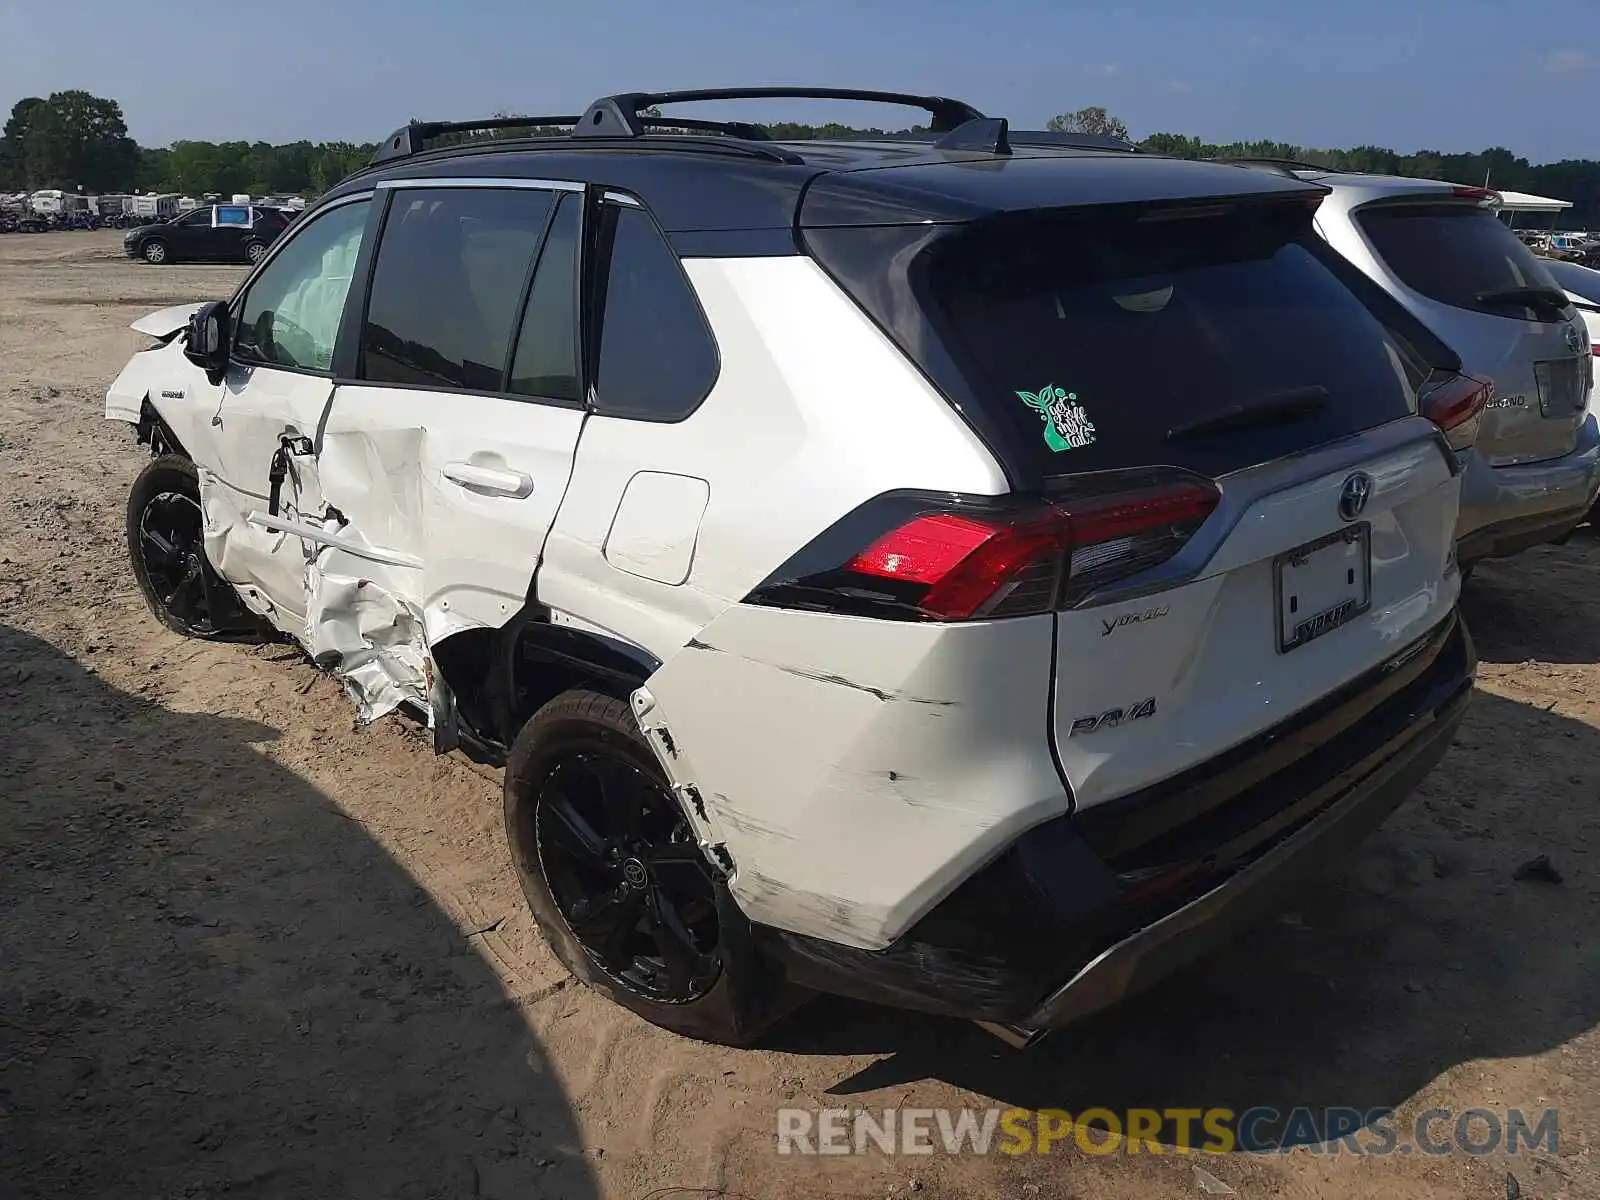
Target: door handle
x: 489, y: 479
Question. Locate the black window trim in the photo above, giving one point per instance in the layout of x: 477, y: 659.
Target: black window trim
x: 236, y: 301
x: 595, y: 269
x: 347, y: 366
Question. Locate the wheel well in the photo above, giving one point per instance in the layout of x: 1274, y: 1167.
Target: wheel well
x: 156, y: 433
x: 500, y: 677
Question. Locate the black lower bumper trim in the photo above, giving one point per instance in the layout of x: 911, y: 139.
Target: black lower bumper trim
x: 1078, y: 912
x: 1193, y: 930
x: 1513, y: 537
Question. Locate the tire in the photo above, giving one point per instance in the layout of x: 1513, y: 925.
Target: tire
x: 253, y: 252
x: 154, y: 252
x: 582, y: 754
x: 166, y: 546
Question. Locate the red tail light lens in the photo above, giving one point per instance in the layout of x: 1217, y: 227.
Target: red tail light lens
x: 1486, y: 195
x: 1456, y: 406
x: 1000, y: 565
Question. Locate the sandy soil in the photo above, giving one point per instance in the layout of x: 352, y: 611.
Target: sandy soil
x: 248, y: 949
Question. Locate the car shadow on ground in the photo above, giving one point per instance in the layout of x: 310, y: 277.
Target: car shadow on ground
x: 216, y: 983
x: 1422, y: 952
x: 1554, y: 622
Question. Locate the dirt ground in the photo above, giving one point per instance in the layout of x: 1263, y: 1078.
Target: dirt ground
x: 250, y: 950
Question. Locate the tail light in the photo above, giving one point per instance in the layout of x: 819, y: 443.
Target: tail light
x: 1456, y: 406
x: 963, y: 560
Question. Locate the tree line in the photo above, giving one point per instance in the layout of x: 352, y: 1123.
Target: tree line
x: 72, y: 139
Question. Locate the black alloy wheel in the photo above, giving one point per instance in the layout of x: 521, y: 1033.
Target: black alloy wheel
x: 627, y: 876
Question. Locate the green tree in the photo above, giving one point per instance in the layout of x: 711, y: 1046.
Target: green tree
x: 14, y: 144
x: 1093, y: 119
x: 77, y: 139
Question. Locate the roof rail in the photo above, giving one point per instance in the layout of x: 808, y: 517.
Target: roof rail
x: 737, y: 137
x: 411, y: 139
x: 620, y: 115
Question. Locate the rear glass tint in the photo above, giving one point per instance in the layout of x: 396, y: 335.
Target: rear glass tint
x: 1107, y: 334
x: 1455, y: 253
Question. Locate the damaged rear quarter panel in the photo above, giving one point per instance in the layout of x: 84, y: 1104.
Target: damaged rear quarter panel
x: 858, y: 770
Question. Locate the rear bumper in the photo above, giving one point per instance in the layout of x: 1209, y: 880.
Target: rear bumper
x: 1082, y: 911
x: 1505, y: 510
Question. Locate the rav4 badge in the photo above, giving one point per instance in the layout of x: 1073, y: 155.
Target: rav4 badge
x: 1113, y: 717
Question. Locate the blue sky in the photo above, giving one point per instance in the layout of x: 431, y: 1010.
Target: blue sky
x: 1407, y: 74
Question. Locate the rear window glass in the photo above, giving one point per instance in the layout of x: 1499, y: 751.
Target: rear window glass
x: 1583, y: 282
x: 1456, y: 254
x: 1109, y: 336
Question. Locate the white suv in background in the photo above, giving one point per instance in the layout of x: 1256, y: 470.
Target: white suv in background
x: 1442, y: 252
x: 972, y: 571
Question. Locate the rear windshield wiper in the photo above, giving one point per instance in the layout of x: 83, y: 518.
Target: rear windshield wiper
x: 1288, y: 405
x: 1530, y: 297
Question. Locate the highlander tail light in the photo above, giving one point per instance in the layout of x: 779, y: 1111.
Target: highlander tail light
x: 955, y: 559
x: 1456, y: 406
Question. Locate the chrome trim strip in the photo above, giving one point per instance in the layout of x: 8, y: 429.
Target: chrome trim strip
x: 322, y: 537
x: 538, y: 185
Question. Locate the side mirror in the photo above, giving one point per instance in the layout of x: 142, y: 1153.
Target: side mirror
x: 210, y: 338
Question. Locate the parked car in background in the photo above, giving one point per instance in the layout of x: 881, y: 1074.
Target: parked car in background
x: 1121, y: 593
x: 211, y: 233
x: 1443, y: 253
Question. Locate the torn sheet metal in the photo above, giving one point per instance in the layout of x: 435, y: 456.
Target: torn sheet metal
x: 363, y: 632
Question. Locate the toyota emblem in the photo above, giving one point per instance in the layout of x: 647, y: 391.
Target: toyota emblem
x: 1354, y: 495
x: 1575, y: 340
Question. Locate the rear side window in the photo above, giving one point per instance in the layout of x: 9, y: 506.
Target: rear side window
x: 657, y: 359
x: 1111, y: 338
x: 1457, y: 254
x: 546, y: 361
x: 448, y: 285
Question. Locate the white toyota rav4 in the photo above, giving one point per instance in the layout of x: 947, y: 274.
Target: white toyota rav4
x: 972, y: 571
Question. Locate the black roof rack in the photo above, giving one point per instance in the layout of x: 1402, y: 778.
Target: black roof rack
x: 413, y: 138
x: 624, y: 117
x: 619, y: 116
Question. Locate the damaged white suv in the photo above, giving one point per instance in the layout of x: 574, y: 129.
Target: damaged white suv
x: 971, y: 571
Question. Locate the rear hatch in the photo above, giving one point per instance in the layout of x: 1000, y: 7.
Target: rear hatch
x: 1469, y: 278
x: 1253, y: 513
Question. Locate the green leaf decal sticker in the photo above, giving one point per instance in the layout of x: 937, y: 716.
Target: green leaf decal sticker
x: 1066, y: 425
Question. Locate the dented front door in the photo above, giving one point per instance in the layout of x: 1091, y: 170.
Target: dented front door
x: 259, y: 488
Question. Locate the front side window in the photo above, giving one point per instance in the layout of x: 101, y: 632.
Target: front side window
x: 449, y: 283
x: 657, y: 357
x: 290, y: 316
x: 200, y: 218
